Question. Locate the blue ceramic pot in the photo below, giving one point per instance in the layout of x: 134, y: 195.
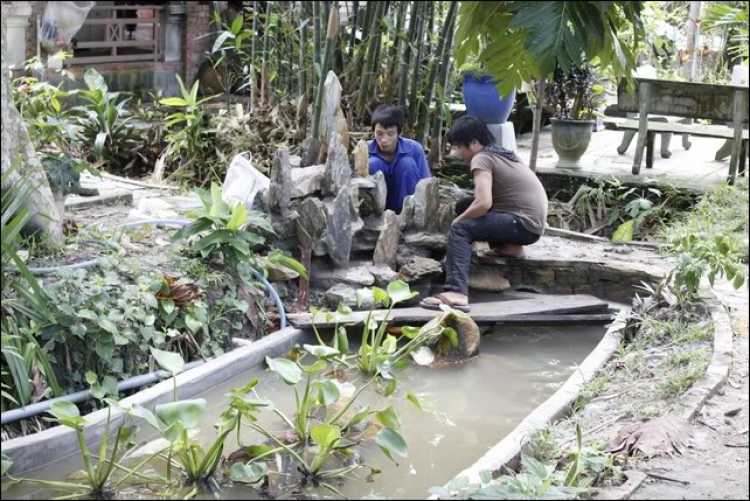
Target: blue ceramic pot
x: 483, y: 100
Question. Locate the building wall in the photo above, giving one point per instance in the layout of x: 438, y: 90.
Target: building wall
x: 198, y: 22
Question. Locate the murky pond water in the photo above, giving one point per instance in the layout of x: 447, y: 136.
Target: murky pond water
x: 467, y: 410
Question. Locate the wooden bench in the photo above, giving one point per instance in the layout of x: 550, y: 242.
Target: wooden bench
x: 725, y: 103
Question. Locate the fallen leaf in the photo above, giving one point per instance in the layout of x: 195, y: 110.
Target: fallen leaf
x: 663, y: 435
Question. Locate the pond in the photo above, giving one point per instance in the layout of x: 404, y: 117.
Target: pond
x: 467, y: 409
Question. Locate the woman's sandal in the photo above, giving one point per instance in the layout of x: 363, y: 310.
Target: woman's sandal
x: 444, y: 300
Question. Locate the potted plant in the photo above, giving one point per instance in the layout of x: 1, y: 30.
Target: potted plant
x: 481, y: 95
x: 575, y: 96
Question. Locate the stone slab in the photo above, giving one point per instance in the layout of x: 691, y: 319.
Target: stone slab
x: 491, y: 312
x: 109, y: 197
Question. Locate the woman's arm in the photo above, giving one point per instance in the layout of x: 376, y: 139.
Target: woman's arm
x: 482, y: 197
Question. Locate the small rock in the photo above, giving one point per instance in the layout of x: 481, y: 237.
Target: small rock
x: 330, y: 107
x: 281, y: 289
x: 311, y: 225
x: 279, y: 196
x: 383, y: 275
x: 285, y: 226
x: 445, y: 217
x: 483, y: 279
x: 307, y: 180
x: 405, y: 253
x: 342, y: 129
x: 469, y: 339
x: 342, y: 221
x: 366, y: 238
x: 386, y: 249
x: 432, y: 241
x: 279, y: 273
x: 426, y: 203
x: 373, y: 199
x: 361, y: 159
x: 295, y: 161
x: 360, y: 275
x: 310, y: 151
x: 406, y: 217
x: 338, y: 172
x: 733, y: 411
x: 420, y: 268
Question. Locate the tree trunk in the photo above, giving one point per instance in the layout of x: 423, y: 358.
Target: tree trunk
x: 540, y: 90
x: 45, y: 221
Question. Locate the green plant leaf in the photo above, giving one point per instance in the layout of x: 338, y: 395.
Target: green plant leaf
x: 411, y: 397
x: 391, y: 442
x: 94, y: 80
x: 169, y: 361
x: 380, y: 296
x: 192, y: 323
x: 289, y: 371
x: 410, y: 332
x: 325, y: 435
x: 324, y: 352
x: 424, y: 356
x: 239, y: 218
x: 173, y: 101
x: 328, y: 392
x: 624, y: 233
x: 107, y: 325
x: 145, y: 414
x: 248, y: 473
x: 388, y: 418
x: 399, y: 292
x: 5, y: 466
x: 187, y: 412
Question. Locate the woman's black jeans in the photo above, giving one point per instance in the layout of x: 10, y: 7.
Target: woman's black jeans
x: 495, y: 228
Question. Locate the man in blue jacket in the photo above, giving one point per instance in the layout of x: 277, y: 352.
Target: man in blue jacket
x: 402, y: 161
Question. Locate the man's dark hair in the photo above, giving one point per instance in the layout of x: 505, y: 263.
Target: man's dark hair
x: 467, y: 129
x: 388, y: 116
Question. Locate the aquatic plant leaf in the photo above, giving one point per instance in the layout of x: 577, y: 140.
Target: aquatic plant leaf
x: 143, y: 413
x: 364, y: 295
x: 325, y: 435
x: 663, y: 435
x: 347, y: 390
x: 358, y: 417
x: 391, y: 442
x: 411, y: 397
x: 320, y: 351
x: 328, y: 392
x: 315, y: 368
x: 188, y: 412
x: 423, y: 356
x: 410, y: 332
x: 248, y: 473
x: 380, y: 296
x: 6, y: 464
x: 399, y: 292
x: 342, y: 341
x: 388, y: 418
x: 247, y: 388
x: 289, y: 371
x: 169, y: 361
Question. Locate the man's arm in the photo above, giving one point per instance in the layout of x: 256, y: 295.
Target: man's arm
x: 482, y: 197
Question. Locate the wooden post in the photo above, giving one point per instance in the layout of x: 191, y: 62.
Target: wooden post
x: 739, y: 112
x: 644, y: 97
x: 540, y: 89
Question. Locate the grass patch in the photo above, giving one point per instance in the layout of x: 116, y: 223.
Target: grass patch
x: 688, y: 369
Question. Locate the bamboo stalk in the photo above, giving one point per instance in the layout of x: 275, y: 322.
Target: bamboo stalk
x: 353, y: 23
x: 407, y: 44
x: 364, y: 88
x: 444, y: 77
x: 413, y: 104
x: 264, y: 90
x: 333, y: 28
x: 301, y: 83
x: 396, y: 48
x: 540, y: 89
x: 369, y: 10
x: 316, y: 47
x: 436, y: 66
x: 253, y: 55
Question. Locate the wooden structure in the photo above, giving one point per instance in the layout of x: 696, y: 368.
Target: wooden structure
x: 722, y: 103
x: 515, y: 310
x: 131, y: 33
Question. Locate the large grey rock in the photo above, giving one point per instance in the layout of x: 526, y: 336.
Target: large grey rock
x: 426, y: 203
x: 338, y: 172
x: 445, y: 216
x: 342, y: 222
x: 330, y: 108
x: 280, y: 192
x: 361, y: 159
x: 367, y: 237
x: 386, y: 249
x: 307, y: 180
x: 311, y: 225
x: 406, y: 218
x: 383, y: 275
x: 285, y: 227
x: 432, y: 241
x: 405, y: 253
x: 359, y: 275
x: 372, y: 195
x: 420, y: 268
x: 346, y: 295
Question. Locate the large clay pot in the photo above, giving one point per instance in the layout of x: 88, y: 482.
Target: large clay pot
x: 570, y: 139
x: 483, y: 100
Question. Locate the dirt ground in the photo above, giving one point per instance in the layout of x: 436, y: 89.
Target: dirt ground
x: 718, y: 465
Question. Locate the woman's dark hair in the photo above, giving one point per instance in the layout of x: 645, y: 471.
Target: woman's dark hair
x: 467, y: 129
x: 388, y: 116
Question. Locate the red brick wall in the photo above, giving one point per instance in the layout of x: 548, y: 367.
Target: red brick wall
x: 197, y: 23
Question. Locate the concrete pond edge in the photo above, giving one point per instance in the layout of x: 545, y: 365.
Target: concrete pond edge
x: 507, y: 453
x: 57, y: 443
